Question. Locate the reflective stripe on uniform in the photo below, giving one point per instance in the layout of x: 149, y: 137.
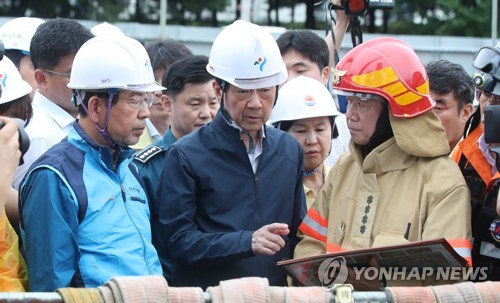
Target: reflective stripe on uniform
x: 332, y: 248
x: 463, y: 248
x: 489, y: 250
x: 314, y: 225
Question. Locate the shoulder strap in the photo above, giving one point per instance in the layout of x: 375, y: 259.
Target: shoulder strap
x: 147, y: 153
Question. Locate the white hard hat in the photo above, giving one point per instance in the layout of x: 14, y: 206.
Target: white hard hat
x: 13, y: 86
x: 302, y: 98
x: 106, y: 29
x: 17, y: 33
x: 113, y: 62
x: 247, y: 56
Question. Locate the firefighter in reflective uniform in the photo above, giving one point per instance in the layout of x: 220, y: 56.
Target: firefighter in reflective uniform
x: 395, y: 184
x: 479, y: 167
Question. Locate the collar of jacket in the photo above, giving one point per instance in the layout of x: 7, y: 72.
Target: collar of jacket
x: 386, y: 157
x: 167, y: 140
x: 104, y: 152
x: 421, y: 136
x: 230, y: 132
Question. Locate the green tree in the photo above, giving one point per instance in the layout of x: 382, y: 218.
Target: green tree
x: 442, y: 17
x: 190, y: 11
x: 79, y: 9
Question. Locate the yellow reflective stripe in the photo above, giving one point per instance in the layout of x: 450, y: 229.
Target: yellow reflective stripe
x: 395, y: 89
x: 407, y: 98
x: 424, y: 88
x: 377, y: 78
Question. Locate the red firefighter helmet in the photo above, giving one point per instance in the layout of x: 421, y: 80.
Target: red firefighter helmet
x: 387, y: 67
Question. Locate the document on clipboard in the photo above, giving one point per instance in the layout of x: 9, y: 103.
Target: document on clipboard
x: 415, y: 255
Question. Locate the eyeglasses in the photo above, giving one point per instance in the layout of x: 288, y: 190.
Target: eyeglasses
x: 58, y: 73
x: 491, y: 99
x: 138, y: 102
x: 362, y: 104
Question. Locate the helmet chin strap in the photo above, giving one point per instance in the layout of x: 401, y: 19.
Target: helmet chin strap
x: 103, y: 131
x: 314, y: 170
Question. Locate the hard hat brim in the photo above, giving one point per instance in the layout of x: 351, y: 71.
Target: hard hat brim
x: 11, y: 94
x: 137, y: 88
x: 256, y: 83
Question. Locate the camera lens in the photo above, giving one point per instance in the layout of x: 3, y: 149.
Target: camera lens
x: 478, y: 81
x: 24, y: 141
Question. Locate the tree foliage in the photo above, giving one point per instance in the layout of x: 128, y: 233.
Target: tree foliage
x: 442, y: 17
x: 423, y: 17
x: 192, y: 11
x: 102, y: 10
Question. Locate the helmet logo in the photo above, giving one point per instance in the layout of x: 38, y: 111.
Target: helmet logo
x: 147, y: 65
x: 336, y: 75
x: 261, y: 61
x: 3, y: 79
x: 309, y: 100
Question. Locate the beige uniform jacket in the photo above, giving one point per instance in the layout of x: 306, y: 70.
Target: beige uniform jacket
x: 389, y: 198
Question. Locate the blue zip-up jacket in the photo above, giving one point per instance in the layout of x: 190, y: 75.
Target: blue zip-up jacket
x: 84, y: 218
x: 211, y: 202
x: 149, y: 162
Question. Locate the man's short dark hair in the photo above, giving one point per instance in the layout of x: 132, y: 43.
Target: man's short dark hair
x: 191, y: 70
x: 55, y: 39
x: 306, y: 43
x: 163, y: 53
x: 446, y: 77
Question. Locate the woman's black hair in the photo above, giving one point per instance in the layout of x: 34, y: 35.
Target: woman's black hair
x: 19, y: 108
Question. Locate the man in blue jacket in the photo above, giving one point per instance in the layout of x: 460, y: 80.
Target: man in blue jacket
x: 85, y: 216
x: 231, y: 195
x: 190, y: 98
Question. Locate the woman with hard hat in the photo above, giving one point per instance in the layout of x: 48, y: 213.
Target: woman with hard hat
x: 14, y: 103
x: 305, y: 109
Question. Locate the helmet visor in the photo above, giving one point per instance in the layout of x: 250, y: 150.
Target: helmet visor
x: 487, y: 60
x: 361, y: 96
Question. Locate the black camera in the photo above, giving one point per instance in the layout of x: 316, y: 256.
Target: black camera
x: 2, y: 50
x: 360, y: 7
x: 492, y: 129
x: 484, y: 81
x: 24, y: 140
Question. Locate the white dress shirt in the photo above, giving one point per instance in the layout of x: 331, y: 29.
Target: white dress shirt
x: 49, y: 125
